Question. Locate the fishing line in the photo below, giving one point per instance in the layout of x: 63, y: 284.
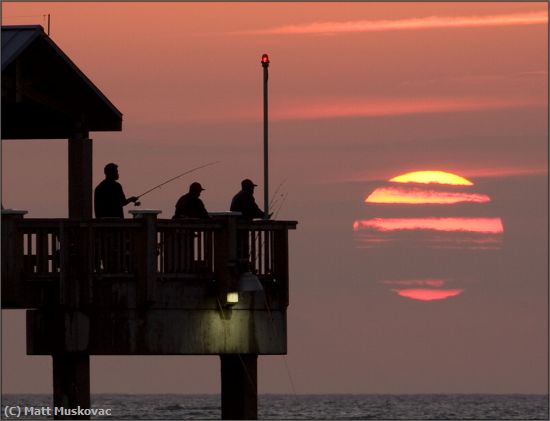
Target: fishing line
x: 176, y: 177
x: 291, y: 381
x: 275, y: 193
x: 247, y: 372
x: 278, y: 338
x: 281, y: 205
x: 274, y: 217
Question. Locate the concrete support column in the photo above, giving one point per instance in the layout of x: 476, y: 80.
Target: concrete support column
x: 71, y: 383
x: 239, y: 386
x: 71, y: 370
x: 80, y: 176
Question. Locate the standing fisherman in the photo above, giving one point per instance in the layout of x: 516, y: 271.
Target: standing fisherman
x: 109, y: 198
x: 245, y: 203
x: 189, y: 205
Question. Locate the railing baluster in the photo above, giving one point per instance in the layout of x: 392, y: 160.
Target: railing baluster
x: 30, y: 260
x: 261, y: 256
x: 252, y: 241
x: 200, y: 254
x: 41, y: 252
x: 50, y: 252
x: 208, y: 250
x: 189, y: 247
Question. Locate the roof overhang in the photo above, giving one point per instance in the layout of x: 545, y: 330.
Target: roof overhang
x: 44, y: 94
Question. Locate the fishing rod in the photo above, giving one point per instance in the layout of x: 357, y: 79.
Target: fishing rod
x: 277, y: 191
x: 176, y: 177
x: 280, y: 205
x: 274, y: 199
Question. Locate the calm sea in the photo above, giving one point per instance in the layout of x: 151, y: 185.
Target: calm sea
x: 382, y: 407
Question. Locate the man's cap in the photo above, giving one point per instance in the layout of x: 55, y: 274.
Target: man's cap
x: 196, y: 187
x: 110, y: 167
x: 247, y: 183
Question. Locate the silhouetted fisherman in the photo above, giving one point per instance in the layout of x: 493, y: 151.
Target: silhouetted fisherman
x: 189, y: 205
x: 245, y: 203
x: 109, y: 198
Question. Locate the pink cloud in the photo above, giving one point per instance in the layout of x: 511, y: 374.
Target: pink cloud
x: 288, y: 109
x: 502, y: 171
x: 430, y: 22
x: 338, y: 108
x: 506, y: 171
x: 423, y: 282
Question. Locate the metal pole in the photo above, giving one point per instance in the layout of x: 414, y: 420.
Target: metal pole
x: 265, y: 65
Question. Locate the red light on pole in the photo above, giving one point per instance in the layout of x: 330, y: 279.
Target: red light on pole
x: 265, y: 60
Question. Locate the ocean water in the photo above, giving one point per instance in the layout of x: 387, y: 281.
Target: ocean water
x: 302, y: 407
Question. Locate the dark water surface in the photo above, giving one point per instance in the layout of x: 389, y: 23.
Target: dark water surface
x: 382, y: 407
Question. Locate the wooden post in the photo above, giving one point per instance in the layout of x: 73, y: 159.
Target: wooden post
x: 80, y: 176
x: 239, y: 386
x: 146, y: 255
x: 225, y: 257
x: 13, y: 294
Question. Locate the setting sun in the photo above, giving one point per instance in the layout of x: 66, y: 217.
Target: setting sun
x: 425, y: 294
x: 417, y: 196
x: 479, y: 225
x: 427, y: 177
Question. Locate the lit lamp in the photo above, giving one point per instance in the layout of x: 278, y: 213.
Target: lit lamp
x: 232, y: 298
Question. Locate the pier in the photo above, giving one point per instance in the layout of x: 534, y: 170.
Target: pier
x: 148, y: 286
x: 139, y: 286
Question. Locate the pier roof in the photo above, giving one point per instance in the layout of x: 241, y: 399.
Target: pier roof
x: 44, y: 94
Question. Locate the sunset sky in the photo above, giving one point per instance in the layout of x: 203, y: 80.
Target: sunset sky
x: 451, y: 298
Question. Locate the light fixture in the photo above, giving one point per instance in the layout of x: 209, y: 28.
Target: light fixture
x: 232, y: 298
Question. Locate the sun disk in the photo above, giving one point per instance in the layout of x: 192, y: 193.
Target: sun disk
x: 427, y: 177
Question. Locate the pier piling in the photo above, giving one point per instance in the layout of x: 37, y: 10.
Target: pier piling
x: 239, y: 386
x: 71, y: 383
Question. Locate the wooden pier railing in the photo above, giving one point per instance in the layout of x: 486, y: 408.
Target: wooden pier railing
x: 46, y: 262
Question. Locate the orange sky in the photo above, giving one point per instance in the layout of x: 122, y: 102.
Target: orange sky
x: 359, y: 92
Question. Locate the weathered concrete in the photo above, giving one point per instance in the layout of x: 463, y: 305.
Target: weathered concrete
x: 176, y: 332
